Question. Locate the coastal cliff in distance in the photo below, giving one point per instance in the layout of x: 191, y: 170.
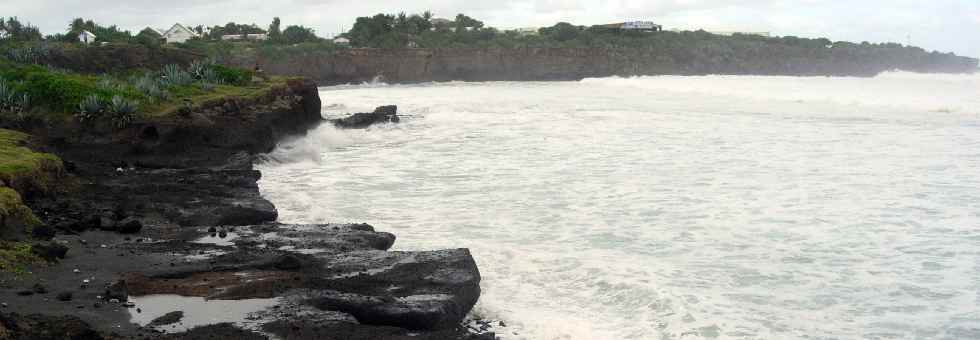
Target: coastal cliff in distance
x: 542, y: 64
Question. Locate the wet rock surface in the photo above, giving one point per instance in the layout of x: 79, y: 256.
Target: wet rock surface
x: 174, y: 210
x: 167, y: 319
x: 382, y: 114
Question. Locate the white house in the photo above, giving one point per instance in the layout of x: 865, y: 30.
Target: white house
x: 86, y: 37
x: 4, y: 34
x: 178, y: 34
x: 642, y: 26
x: 257, y: 36
x: 526, y: 31
x: 341, y: 41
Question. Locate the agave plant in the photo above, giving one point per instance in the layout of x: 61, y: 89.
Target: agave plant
x: 122, y: 111
x: 11, y: 100
x: 174, y: 76
x: 89, y: 109
x: 107, y: 83
x: 29, y: 55
x: 23, y: 103
x: 7, y: 94
x: 198, y: 67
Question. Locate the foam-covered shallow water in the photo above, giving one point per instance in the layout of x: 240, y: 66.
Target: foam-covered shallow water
x: 672, y: 207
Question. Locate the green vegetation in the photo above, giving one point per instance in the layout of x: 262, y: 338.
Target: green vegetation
x: 684, y: 52
x: 15, y: 257
x: 34, y: 94
x: 19, y: 32
x: 22, y: 167
x: 21, y: 170
x: 13, y: 212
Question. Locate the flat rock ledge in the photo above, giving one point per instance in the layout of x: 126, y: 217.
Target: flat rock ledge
x: 328, y: 279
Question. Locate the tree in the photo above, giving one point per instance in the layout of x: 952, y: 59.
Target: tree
x: 275, y: 33
x: 369, y: 31
x: 298, y: 34
x: 562, y: 31
x: 149, y: 37
x: 102, y: 33
x: 16, y: 31
x: 464, y: 23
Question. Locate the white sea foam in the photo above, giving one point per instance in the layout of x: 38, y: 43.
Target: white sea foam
x: 672, y: 207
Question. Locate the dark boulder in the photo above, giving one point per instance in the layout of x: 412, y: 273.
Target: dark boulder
x: 117, y: 290
x: 432, y: 290
x: 64, y: 296
x: 49, y: 251
x: 130, y: 225
x: 382, y: 114
x: 167, y: 319
x: 288, y: 262
x: 43, y: 232
x: 39, y: 288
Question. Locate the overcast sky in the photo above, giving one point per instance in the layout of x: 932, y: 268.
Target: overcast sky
x: 945, y: 25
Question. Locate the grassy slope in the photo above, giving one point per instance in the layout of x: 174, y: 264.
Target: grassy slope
x: 197, y: 96
x: 18, y: 164
x: 17, y: 161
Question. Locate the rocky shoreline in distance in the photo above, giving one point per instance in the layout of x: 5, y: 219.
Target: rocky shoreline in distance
x: 171, y: 207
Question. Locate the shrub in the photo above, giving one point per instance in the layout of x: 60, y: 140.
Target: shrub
x: 232, y: 76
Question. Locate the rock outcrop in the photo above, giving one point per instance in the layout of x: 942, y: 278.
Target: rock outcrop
x: 382, y: 114
x: 172, y: 206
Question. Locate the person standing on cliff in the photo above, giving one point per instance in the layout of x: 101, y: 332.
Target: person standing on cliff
x: 259, y: 73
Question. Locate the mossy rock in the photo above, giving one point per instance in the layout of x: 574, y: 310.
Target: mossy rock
x: 24, y: 170
x: 16, y: 219
x: 16, y: 257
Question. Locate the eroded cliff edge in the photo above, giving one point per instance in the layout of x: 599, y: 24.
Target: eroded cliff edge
x: 542, y: 64
x: 170, y: 205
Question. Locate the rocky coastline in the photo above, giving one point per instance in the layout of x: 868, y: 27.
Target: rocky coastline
x: 170, y: 207
x: 415, y: 65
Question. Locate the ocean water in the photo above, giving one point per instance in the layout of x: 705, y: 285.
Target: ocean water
x: 715, y: 207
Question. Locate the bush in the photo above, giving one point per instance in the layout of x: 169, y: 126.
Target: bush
x: 233, y: 76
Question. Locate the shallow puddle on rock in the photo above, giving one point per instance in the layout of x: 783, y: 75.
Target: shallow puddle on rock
x: 197, y: 310
x: 217, y: 240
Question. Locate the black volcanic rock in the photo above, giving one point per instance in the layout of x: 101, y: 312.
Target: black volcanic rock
x: 117, y: 290
x: 413, y: 290
x: 382, y: 114
x: 130, y: 225
x: 36, y: 326
x: 167, y: 319
x: 50, y: 251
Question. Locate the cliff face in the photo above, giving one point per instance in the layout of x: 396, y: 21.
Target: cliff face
x: 534, y: 64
